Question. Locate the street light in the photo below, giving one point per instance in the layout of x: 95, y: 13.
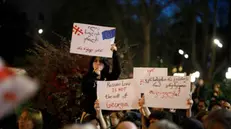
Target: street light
x: 186, y: 56
x: 40, y: 31
x: 181, y: 52
x: 218, y: 43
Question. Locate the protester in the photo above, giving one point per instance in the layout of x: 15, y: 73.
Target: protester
x: 98, y: 70
x: 218, y: 119
x: 30, y: 119
x: 163, y: 124
x: 126, y: 125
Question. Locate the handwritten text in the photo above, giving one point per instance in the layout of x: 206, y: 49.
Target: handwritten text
x: 92, y: 33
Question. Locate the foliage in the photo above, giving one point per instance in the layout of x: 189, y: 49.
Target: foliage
x: 60, y: 74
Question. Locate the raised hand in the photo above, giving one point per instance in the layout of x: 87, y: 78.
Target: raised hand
x: 96, y: 106
x: 113, y: 47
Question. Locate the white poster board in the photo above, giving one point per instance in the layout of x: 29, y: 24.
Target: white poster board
x: 140, y: 73
x: 118, y: 95
x: 92, y: 40
x: 167, y: 92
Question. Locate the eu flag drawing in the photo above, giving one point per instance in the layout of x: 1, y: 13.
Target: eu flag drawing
x: 108, y: 34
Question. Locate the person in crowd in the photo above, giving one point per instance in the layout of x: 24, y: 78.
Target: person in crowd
x: 109, y: 121
x: 226, y: 105
x: 201, y: 106
x: 199, y: 93
x: 98, y: 70
x: 190, y: 123
x: 78, y: 126
x: 163, y: 124
x: 133, y: 117
x: 218, y: 119
x: 9, y: 122
x: 92, y: 120
x: 158, y: 115
x: 201, y: 116
x: 214, y: 105
x: 216, y: 93
x: 126, y: 125
x: 115, y: 119
x: 30, y: 119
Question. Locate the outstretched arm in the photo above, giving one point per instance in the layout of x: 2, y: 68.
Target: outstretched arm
x: 116, y: 70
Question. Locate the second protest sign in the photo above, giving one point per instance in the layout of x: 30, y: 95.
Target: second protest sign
x: 118, y: 95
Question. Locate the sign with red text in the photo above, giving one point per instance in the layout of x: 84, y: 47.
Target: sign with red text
x: 139, y: 73
x: 118, y: 95
x: 167, y: 92
x: 92, y: 40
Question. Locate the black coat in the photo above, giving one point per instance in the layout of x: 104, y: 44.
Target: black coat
x: 89, y: 81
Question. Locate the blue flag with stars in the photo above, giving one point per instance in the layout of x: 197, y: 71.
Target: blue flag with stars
x: 108, y: 34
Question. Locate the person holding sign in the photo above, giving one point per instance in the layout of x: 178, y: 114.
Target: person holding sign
x: 98, y: 70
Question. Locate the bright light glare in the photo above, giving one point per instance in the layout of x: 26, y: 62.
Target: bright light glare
x: 186, y: 56
x: 181, y: 52
x: 193, y: 79
x: 40, y: 31
x: 179, y: 74
x: 219, y: 45
x: 216, y: 41
x: 197, y: 74
x: 228, y: 75
x: 229, y: 69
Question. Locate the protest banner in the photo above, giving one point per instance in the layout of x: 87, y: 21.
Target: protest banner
x: 167, y: 92
x: 140, y: 73
x: 117, y: 95
x: 92, y: 40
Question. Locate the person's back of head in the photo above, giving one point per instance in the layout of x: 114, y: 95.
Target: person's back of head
x: 77, y: 126
x: 126, y: 125
x: 220, y: 118
x: 190, y: 123
x: 163, y: 124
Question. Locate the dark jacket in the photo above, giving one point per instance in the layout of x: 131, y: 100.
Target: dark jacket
x: 89, y: 81
x: 9, y: 122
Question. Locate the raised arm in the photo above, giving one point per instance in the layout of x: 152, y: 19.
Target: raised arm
x: 116, y: 70
x: 99, y: 115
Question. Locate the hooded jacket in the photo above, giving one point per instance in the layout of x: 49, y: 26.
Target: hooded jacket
x: 89, y: 85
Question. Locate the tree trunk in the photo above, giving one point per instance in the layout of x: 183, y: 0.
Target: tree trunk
x: 211, y: 69
x: 193, y: 39
x: 205, y: 35
x: 146, y: 52
x: 130, y: 61
x: 229, y: 32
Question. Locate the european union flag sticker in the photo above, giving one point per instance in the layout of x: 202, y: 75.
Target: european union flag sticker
x: 108, y: 34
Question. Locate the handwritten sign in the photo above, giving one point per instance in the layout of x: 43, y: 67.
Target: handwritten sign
x: 117, y: 95
x: 139, y: 74
x: 167, y: 92
x: 92, y: 40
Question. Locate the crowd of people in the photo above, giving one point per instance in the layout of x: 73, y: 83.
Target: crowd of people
x: 207, y: 110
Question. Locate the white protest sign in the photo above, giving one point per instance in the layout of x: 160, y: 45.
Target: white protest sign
x: 92, y: 40
x: 118, y: 95
x: 139, y: 73
x: 167, y: 92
